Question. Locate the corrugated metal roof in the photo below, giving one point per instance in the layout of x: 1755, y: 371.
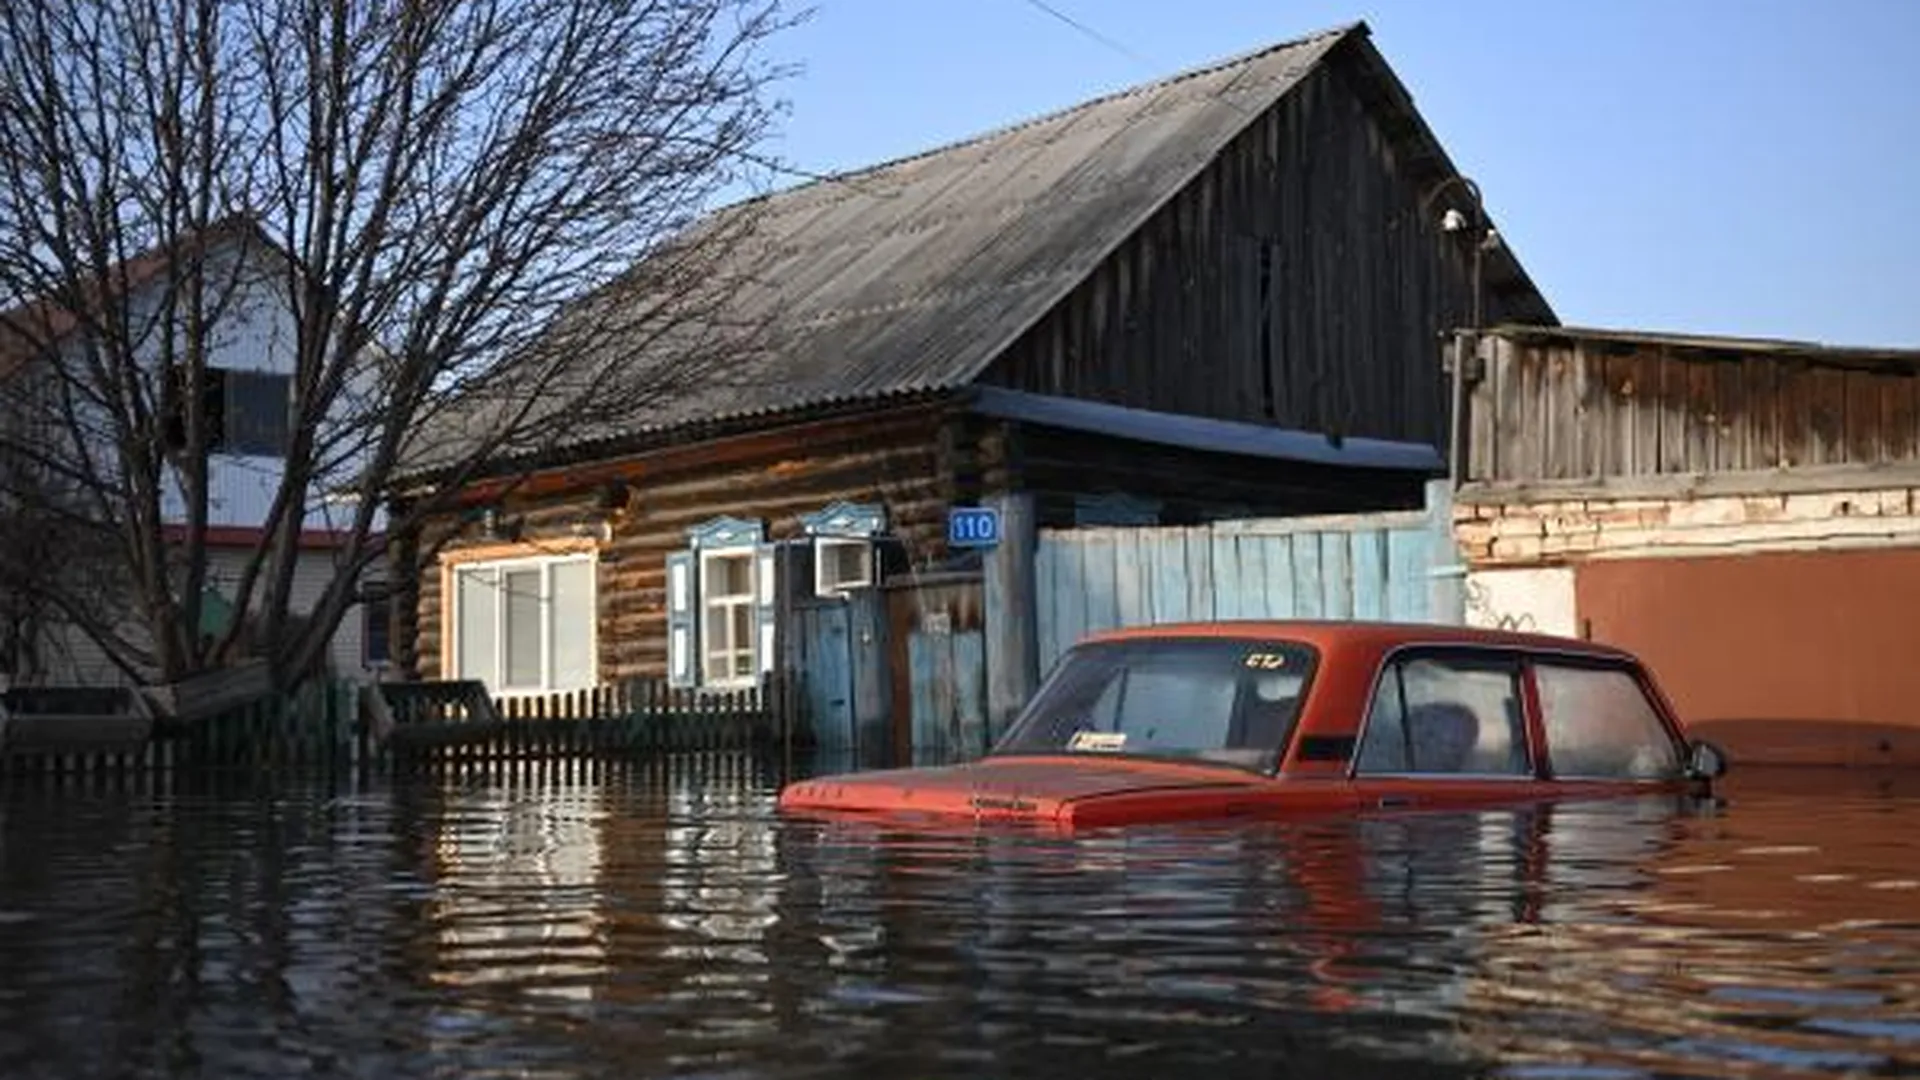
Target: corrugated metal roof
x: 917, y: 273
x: 913, y: 275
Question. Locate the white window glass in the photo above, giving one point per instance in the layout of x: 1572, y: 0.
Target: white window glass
x: 476, y: 613
x: 726, y: 630
x: 525, y: 614
x: 1599, y: 723
x: 526, y: 624
x: 573, y: 619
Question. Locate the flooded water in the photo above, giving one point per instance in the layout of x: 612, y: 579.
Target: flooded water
x: 651, y: 923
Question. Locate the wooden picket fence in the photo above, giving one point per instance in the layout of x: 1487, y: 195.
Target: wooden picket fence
x: 339, y: 726
x: 458, y: 723
x: 74, y: 736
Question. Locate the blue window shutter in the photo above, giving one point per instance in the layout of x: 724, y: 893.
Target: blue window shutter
x: 766, y: 591
x: 683, y: 637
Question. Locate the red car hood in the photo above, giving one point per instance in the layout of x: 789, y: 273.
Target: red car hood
x: 1014, y: 788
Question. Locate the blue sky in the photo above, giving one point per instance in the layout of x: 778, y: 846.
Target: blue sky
x: 1715, y: 166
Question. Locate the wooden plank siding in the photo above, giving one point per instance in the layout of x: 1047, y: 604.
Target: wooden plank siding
x: 1558, y: 411
x: 1297, y: 272
x: 1364, y: 566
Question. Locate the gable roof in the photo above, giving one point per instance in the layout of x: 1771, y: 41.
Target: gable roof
x: 33, y: 328
x: 916, y: 274
x: 912, y: 276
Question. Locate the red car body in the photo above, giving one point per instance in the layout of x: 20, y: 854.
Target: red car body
x: 1357, y: 717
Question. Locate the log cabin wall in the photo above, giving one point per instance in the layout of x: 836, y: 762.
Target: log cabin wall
x: 904, y: 459
x: 1295, y: 282
x: 1551, y: 410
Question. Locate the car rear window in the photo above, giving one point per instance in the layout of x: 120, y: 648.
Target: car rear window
x: 1599, y: 723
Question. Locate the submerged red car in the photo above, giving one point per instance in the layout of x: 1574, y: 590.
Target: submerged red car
x: 1253, y: 719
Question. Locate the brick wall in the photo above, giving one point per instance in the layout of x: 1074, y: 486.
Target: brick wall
x: 1521, y: 534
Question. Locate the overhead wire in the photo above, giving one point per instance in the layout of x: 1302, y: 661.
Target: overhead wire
x: 1114, y: 44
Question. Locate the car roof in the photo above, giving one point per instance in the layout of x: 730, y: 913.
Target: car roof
x: 1345, y: 634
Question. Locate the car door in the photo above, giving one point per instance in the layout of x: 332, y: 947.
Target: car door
x: 1446, y: 726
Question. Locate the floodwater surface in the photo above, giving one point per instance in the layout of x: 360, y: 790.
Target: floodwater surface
x: 655, y: 922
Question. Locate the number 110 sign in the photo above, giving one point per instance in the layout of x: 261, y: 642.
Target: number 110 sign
x: 973, y: 526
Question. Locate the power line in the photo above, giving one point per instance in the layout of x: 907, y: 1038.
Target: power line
x: 1217, y: 94
x: 1090, y: 32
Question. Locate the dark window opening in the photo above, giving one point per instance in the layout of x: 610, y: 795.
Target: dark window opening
x: 377, y: 636
x: 243, y: 412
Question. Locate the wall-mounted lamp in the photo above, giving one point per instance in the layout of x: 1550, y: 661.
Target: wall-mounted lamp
x: 1479, y: 233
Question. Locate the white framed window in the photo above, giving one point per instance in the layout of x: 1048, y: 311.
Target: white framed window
x: 721, y: 624
x: 526, y: 625
x: 841, y: 563
x: 727, y: 595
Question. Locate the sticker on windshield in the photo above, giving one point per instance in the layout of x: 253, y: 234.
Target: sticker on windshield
x: 1097, y: 740
x: 1266, y: 661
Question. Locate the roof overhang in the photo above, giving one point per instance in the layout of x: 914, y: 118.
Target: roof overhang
x: 1234, y: 437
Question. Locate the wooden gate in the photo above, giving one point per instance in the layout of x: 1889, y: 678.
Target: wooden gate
x: 939, y: 654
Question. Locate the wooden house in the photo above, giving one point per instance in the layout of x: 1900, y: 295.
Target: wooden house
x: 1215, y: 295
x: 1744, y: 514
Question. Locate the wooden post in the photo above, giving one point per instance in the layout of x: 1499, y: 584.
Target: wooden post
x: 1013, y: 661
x: 1446, y: 568
x: 872, y: 689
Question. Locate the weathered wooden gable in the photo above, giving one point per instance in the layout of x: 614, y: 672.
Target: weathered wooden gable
x: 1299, y: 280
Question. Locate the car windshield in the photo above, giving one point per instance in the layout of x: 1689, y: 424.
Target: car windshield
x: 1232, y: 701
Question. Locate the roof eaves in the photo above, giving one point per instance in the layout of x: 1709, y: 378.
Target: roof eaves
x: 643, y: 437
x: 1204, y: 434
x: 1718, y: 343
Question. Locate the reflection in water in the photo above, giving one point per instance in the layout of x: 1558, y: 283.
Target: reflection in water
x: 519, y: 868
x: 654, y: 922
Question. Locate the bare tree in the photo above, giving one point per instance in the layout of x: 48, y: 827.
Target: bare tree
x: 466, y: 217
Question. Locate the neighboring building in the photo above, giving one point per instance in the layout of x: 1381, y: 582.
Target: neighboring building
x: 246, y: 399
x: 1744, y: 514
x: 1212, y: 296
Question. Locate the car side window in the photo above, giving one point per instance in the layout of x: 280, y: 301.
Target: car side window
x: 1600, y: 724
x: 1446, y: 714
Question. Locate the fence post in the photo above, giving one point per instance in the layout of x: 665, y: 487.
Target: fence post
x: 1012, y: 646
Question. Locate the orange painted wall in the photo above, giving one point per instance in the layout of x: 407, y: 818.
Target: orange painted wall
x: 1809, y: 657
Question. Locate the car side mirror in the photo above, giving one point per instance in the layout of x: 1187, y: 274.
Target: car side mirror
x: 1705, y: 761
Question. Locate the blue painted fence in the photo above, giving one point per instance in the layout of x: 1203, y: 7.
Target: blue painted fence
x: 1363, y: 566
